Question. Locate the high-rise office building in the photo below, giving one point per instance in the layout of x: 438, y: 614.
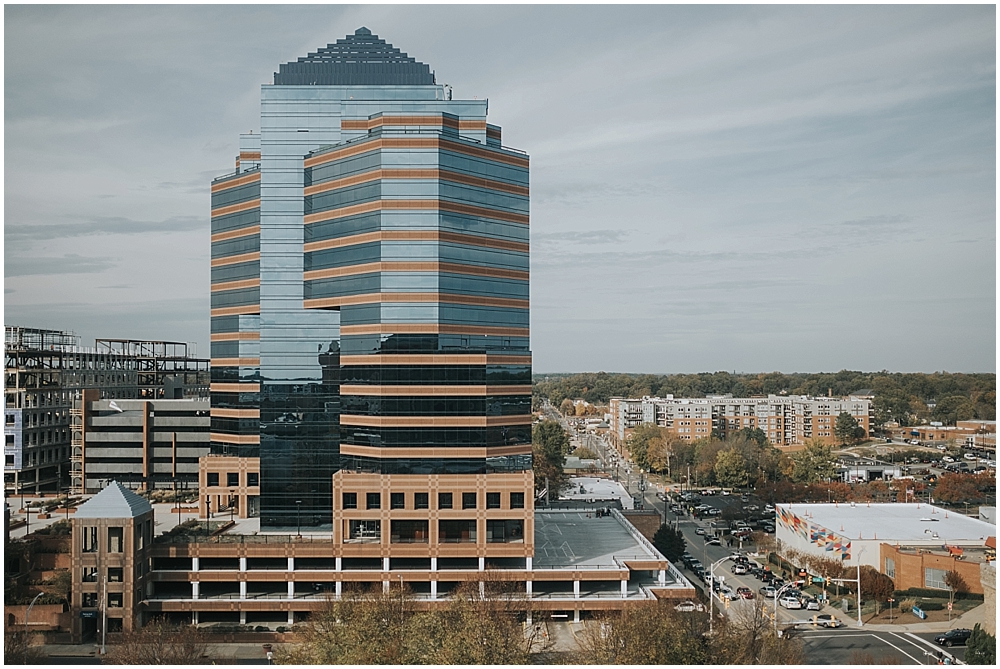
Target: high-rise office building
x: 370, y: 310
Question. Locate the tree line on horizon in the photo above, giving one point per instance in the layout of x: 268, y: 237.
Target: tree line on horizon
x: 900, y: 397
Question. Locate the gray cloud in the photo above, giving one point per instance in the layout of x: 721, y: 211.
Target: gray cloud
x: 583, y: 237
x: 110, y: 225
x: 68, y: 264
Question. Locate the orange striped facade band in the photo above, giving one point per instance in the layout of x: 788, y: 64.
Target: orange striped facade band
x: 236, y: 259
x: 433, y: 421
x: 414, y: 298
x: 238, y: 232
x: 417, y: 236
x: 432, y: 452
x: 430, y: 173
x: 235, y: 336
x: 235, y: 362
x: 241, y: 181
x: 235, y: 285
x: 244, y: 310
x: 234, y: 387
x: 224, y: 438
x: 218, y: 412
x: 444, y: 121
x: 236, y: 208
x: 415, y: 143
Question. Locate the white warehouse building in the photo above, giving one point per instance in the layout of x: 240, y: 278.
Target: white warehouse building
x: 852, y: 532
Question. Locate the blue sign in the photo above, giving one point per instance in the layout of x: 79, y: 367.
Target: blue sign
x: 88, y: 614
x: 919, y: 613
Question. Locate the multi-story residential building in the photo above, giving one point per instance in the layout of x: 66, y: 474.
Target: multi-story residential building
x: 46, y: 372
x: 375, y: 235
x: 787, y: 420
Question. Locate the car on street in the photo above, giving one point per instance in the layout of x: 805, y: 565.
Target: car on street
x: 700, y: 531
x: 726, y: 593
x: 740, y: 568
x: 767, y: 591
x: 826, y: 620
x: 726, y: 493
x: 955, y: 637
x: 789, y: 602
x: 712, y: 541
x: 745, y: 592
x: 744, y: 499
x: 662, y: 496
x: 941, y: 447
x: 688, y: 606
x: 714, y: 512
x: 812, y: 604
x: 735, y: 555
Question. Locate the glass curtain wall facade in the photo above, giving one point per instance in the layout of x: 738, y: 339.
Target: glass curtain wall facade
x: 398, y: 270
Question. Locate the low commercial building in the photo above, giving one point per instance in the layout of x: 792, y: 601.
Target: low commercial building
x: 854, y: 532
x: 581, y: 563
x: 926, y: 566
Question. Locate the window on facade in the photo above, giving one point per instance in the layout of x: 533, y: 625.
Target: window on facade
x: 397, y: 500
x: 408, y: 532
x: 89, y: 600
x: 115, y: 600
x: 457, y: 531
x: 350, y: 500
x: 374, y: 500
x: 517, y: 500
x: 89, y: 539
x: 116, y: 539
x: 253, y: 479
x: 213, y: 479
x: 468, y: 500
x: 421, y: 500
x: 890, y: 568
x: 444, y: 500
x: 504, y: 531
x: 115, y: 624
x: 233, y: 479
x: 492, y: 500
x: 115, y: 574
x: 364, y: 531
x: 89, y: 574
x: 934, y: 578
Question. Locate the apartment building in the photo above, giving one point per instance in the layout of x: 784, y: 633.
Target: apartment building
x: 787, y: 420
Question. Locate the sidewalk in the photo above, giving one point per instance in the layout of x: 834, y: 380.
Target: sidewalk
x: 967, y: 620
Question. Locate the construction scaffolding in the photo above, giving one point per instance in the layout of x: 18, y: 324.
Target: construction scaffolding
x: 165, y: 368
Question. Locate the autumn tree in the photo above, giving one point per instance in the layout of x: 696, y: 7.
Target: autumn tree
x: 646, y: 633
x: 956, y: 582
x: 568, y: 408
x: 159, y: 642
x: 747, y: 636
x: 814, y: 463
x: 639, y: 443
x: 876, y: 586
x: 730, y: 469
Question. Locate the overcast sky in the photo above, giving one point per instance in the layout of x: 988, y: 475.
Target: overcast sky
x: 741, y: 188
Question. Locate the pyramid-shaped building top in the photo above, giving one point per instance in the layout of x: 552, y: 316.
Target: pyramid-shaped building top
x: 361, y: 59
x: 115, y: 501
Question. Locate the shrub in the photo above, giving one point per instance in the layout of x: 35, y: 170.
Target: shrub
x: 931, y: 606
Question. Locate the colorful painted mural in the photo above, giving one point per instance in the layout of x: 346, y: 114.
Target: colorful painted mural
x: 818, y: 536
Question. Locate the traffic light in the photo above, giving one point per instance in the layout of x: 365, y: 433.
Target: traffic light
x: 727, y: 603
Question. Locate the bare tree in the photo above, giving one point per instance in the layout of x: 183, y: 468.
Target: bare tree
x: 747, y: 637
x: 159, y: 642
x: 647, y: 633
x: 19, y: 649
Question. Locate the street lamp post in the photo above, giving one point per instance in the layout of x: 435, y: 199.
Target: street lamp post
x: 298, y: 518
x: 711, y: 593
x: 776, y: 594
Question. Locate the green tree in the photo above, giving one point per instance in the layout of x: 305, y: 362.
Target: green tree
x: 567, y: 407
x: 846, y: 428
x: 550, y: 443
x: 754, y: 434
x: 981, y: 648
x: 670, y: 542
x: 730, y: 469
x: 813, y: 463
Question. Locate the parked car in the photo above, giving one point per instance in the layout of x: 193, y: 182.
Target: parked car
x: 955, y: 637
x: 726, y: 493
x: 713, y: 512
x: 662, y: 496
x: 970, y: 456
x: 789, y: 602
x: 826, y: 620
x: 712, y: 541
x: 688, y: 606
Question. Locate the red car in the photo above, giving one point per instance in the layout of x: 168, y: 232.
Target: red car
x: 745, y: 593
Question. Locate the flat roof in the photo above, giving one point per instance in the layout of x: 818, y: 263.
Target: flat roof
x: 892, y: 522
x: 571, y: 539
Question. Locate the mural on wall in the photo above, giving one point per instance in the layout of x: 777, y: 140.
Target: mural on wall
x: 814, y: 534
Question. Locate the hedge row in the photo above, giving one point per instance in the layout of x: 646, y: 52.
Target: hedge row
x: 934, y: 593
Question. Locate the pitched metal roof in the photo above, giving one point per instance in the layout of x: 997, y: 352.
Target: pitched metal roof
x: 361, y: 59
x: 115, y: 501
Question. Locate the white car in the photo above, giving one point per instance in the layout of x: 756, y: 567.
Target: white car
x: 914, y: 442
x: 790, y: 602
x: 688, y: 606
x: 971, y: 456
x: 948, y: 458
x: 941, y: 447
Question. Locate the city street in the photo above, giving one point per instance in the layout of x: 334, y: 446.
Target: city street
x: 851, y: 645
